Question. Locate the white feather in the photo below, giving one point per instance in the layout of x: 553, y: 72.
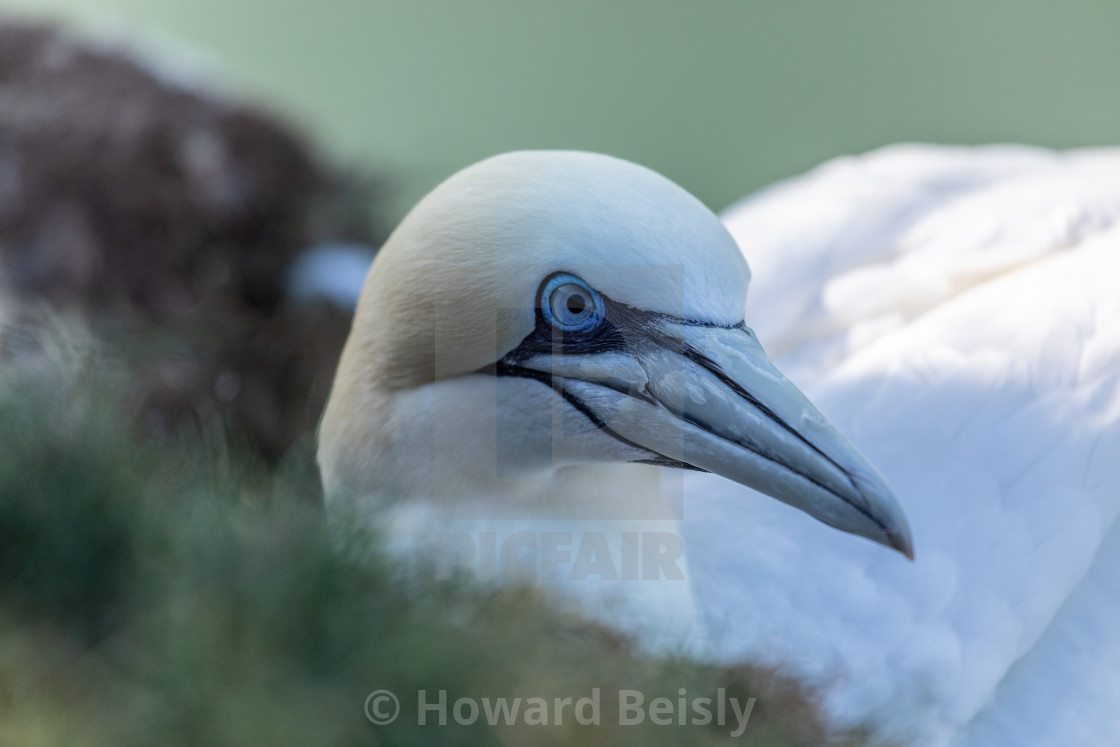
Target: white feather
x: 955, y: 312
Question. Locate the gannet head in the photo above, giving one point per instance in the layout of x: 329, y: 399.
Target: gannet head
x: 540, y: 312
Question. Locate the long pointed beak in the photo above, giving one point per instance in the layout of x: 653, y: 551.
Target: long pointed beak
x: 709, y: 397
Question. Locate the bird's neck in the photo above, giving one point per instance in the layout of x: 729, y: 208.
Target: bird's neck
x: 586, y: 497
x: 605, y: 536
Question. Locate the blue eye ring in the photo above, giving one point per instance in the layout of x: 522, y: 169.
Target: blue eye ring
x: 569, y: 304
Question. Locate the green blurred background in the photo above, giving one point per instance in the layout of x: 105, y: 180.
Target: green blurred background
x: 721, y: 96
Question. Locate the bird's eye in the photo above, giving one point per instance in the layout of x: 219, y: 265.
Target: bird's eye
x: 570, y: 304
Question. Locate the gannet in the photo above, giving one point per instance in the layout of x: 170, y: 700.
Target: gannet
x: 955, y: 311
x: 540, y: 333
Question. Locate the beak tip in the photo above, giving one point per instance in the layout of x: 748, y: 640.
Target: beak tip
x: 900, y: 540
x: 893, y: 529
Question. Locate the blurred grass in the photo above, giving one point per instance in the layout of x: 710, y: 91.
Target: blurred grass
x: 181, y: 593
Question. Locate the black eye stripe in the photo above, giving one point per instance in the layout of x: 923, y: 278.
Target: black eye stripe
x: 617, y: 325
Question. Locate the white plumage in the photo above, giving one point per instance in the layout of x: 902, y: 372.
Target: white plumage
x: 953, y: 311
x: 956, y: 312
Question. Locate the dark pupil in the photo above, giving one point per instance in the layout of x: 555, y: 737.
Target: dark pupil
x: 575, y: 304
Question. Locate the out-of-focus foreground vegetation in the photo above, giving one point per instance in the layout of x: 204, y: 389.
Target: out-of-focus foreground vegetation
x: 184, y: 592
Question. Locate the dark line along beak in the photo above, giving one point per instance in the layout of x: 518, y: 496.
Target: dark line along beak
x: 709, y: 397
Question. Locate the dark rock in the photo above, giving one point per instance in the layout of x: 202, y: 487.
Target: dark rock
x: 162, y: 212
